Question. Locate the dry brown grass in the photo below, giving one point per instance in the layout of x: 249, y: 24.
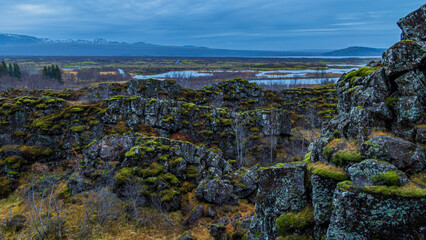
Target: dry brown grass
x: 311, y: 134
x: 380, y: 133
x: 108, y: 73
x: 158, y: 229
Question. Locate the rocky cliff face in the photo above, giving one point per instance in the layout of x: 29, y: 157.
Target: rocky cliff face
x: 366, y: 174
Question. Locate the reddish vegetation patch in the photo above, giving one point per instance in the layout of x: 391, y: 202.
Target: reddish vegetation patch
x: 181, y: 137
x: 146, y: 129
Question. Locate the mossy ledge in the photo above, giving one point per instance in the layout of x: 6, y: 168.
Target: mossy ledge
x: 409, y: 190
x: 328, y: 171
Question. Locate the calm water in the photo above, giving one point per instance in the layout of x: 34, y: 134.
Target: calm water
x: 274, y: 77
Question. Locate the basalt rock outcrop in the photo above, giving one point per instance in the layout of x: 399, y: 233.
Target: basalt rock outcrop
x: 366, y: 173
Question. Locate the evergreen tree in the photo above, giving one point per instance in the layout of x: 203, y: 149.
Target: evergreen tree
x: 3, y: 68
x: 10, y: 70
x: 3, y: 63
x: 44, y: 72
x: 58, y: 74
x: 16, y: 71
x: 52, y: 72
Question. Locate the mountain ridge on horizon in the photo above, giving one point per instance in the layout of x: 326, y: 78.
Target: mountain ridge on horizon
x: 20, y: 45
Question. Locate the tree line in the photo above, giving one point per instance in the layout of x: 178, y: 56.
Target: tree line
x: 52, y: 72
x: 10, y: 69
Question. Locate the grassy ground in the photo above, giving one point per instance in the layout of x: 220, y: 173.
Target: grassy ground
x: 120, y: 227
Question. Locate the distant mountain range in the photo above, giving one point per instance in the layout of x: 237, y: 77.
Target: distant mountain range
x: 356, y: 51
x: 22, y: 45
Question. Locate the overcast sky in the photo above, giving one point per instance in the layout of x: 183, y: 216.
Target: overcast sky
x: 230, y: 24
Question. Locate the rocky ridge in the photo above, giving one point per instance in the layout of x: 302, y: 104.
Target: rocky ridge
x: 366, y: 174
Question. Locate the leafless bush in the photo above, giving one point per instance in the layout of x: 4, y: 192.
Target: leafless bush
x: 133, y: 194
x: 47, y: 214
x: 240, y: 134
x: 156, y: 202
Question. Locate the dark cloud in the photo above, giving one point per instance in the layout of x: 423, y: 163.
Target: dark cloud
x: 235, y: 24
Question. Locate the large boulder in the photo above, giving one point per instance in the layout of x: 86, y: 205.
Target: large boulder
x: 412, y: 83
x: 195, y: 215
x: 359, y: 215
x: 322, y: 196
x: 403, y: 56
x: 246, y: 184
x: 396, y: 151
x: 413, y: 26
x: 218, y: 227
x: 215, y: 191
x: 367, y: 171
x: 281, y: 189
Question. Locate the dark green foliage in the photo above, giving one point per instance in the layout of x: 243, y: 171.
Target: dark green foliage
x: 52, y: 72
x: 11, y: 70
x: 3, y: 68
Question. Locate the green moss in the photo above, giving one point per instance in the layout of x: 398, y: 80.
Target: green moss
x: 168, y: 194
x: 153, y: 170
x: 342, y: 157
x: 124, y: 175
x: 153, y: 100
x: 42, y: 106
x: 164, y: 158
x: 172, y: 179
x: 254, y: 129
x: 206, y: 132
x: 191, y: 171
x: 76, y: 110
x: 138, y: 151
x: 326, y: 152
x: 168, y: 118
x: 93, y: 122
x: 7, y: 105
x: 90, y: 144
x: 226, y: 122
x: 29, y: 101
x: 291, y: 221
x: 390, y: 178
x: 307, y: 158
x: 44, y: 124
x: 353, y: 89
x: 336, y: 132
x: 360, y: 73
x: 175, y: 161
x: 19, y: 134
x: 77, y: 128
x: 408, y: 190
x: 327, y: 171
x: 390, y: 102
x: 34, y: 152
x: 13, y: 159
x: 117, y: 97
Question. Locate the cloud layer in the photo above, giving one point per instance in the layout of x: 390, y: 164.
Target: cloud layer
x: 235, y: 24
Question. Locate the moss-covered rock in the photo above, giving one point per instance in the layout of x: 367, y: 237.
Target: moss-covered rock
x: 291, y: 221
x: 281, y: 189
x: 358, y: 214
